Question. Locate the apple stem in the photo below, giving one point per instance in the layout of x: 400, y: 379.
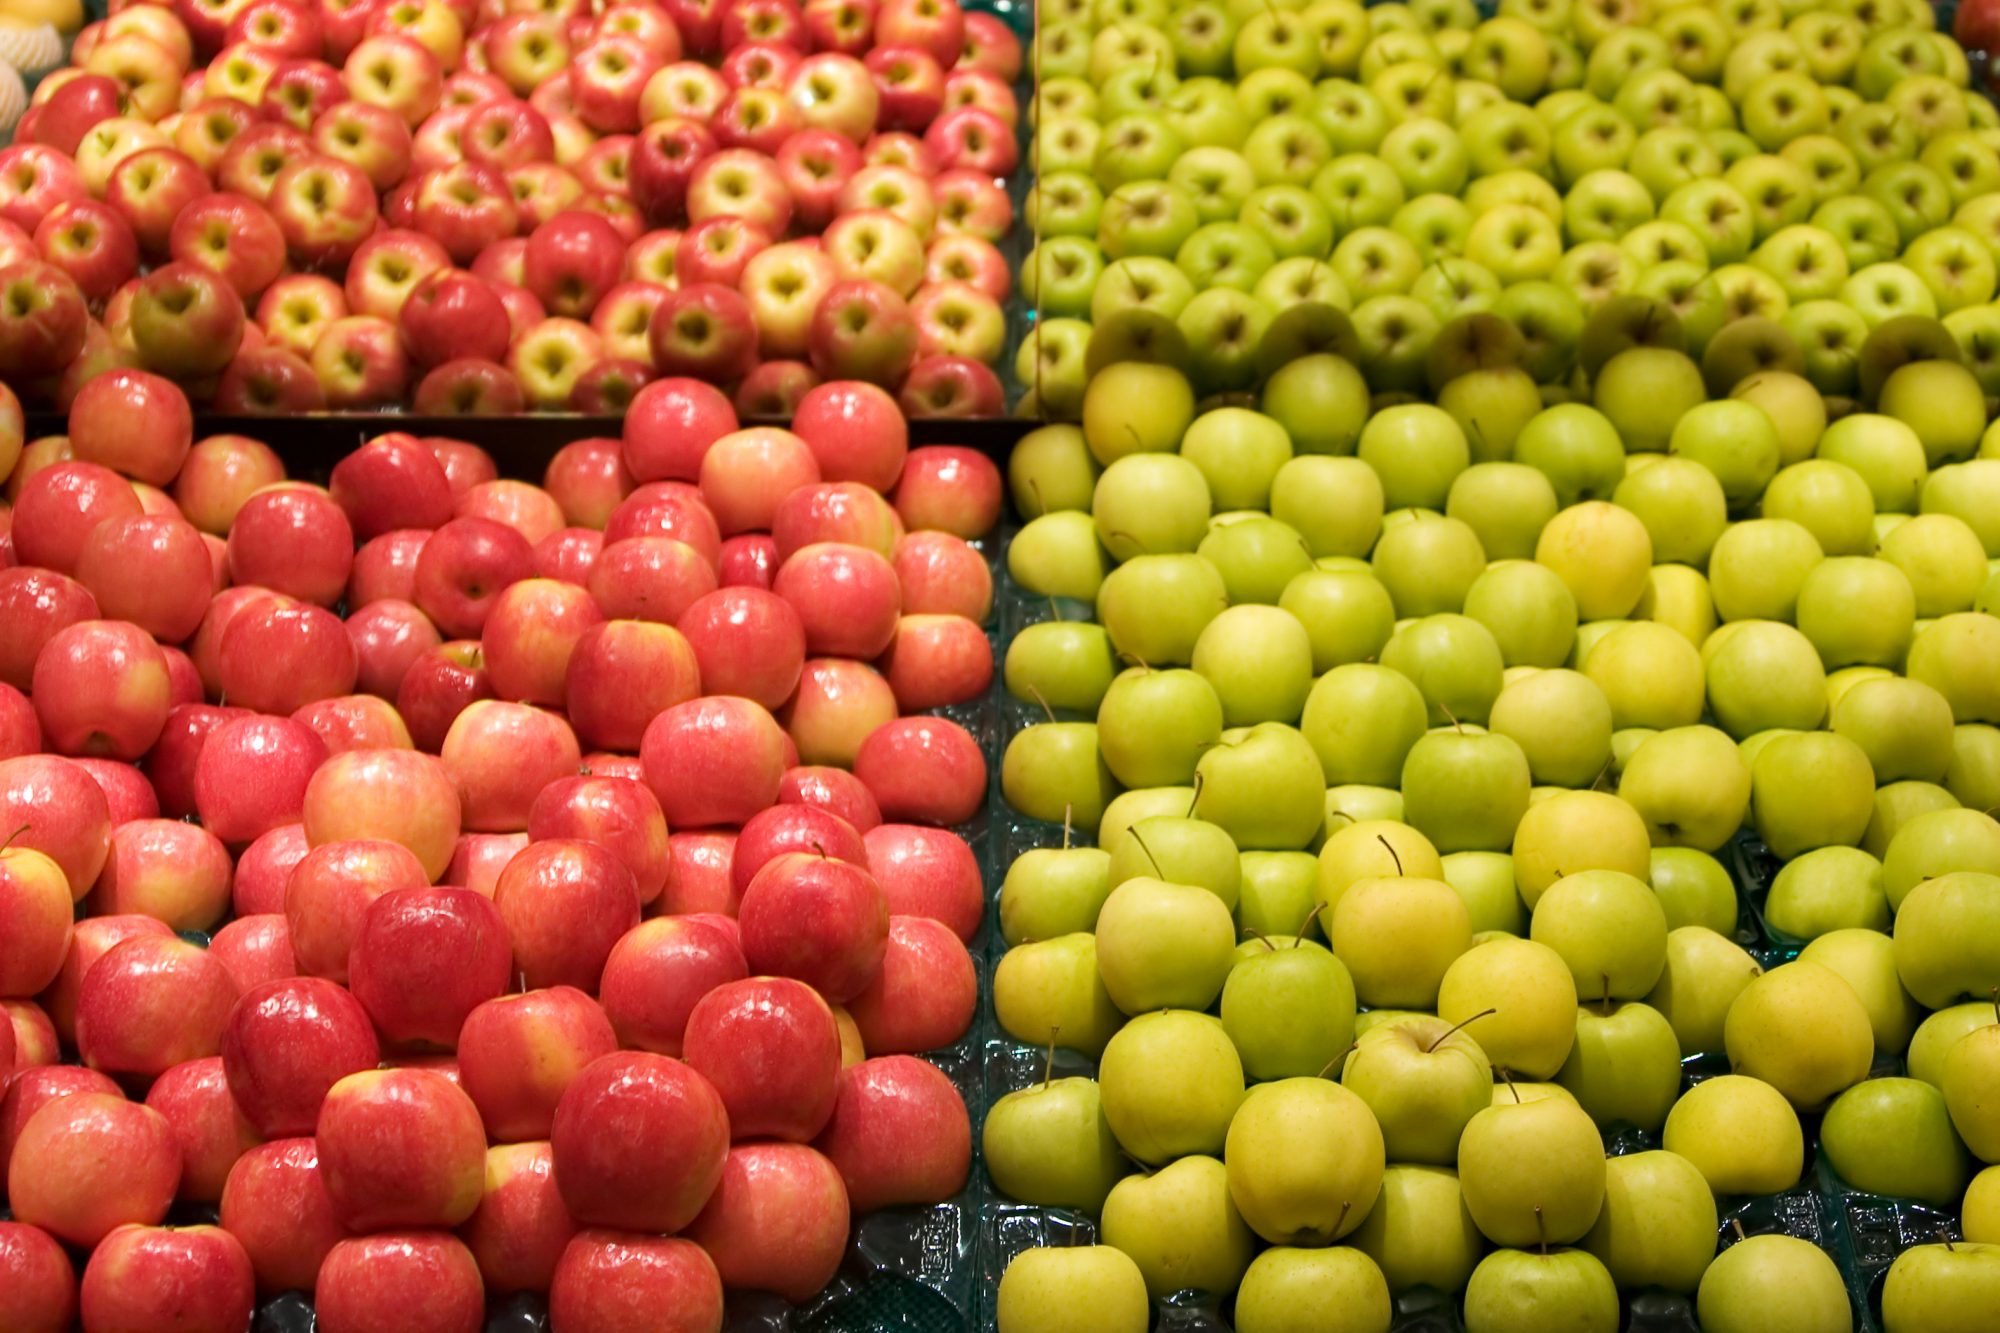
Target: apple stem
x: 1483, y: 1013
x: 1736, y: 1225
x: 1392, y: 852
x: 818, y: 847
x: 1541, y: 1231
x: 1258, y: 936
x: 1050, y: 712
x: 1510, y: 1084
x: 1944, y: 1238
x: 1049, y: 1064
x: 1995, y: 993
x: 1069, y: 816
x: 15, y: 834
x: 1195, y: 800
x: 1055, y: 611
x: 1141, y: 840
x: 1327, y: 1068
x: 1452, y: 718
x: 1604, y: 1001
x: 1306, y: 924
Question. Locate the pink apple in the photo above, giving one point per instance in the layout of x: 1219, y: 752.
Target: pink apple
x: 820, y: 921
x: 670, y: 509
x: 92, y: 243
x: 100, y: 688
x: 469, y: 386
x: 929, y: 873
x: 900, y: 1134
x: 251, y: 775
x: 61, y: 812
x: 479, y: 858
x: 783, y: 829
x: 657, y: 975
x: 127, y: 792
x: 219, y: 475
x: 846, y: 596
x: 565, y: 903
x: 747, y: 474
x: 275, y: 1202
x: 925, y: 995
x: 534, y: 627
x: 835, y: 790
x: 746, y: 642
x: 624, y: 673
x: 846, y: 512
x: 775, y: 388
x: 936, y: 661
x: 401, y: 796
x: 292, y: 539
x: 35, y: 904
x: 400, y: 1148
x: 618, y: 1282
x: 390, y: 636
x: 34, y: 1086
x: 329, y: 894
x: 212, y: 1130
x: 87, y: 1164
x: 439, y: 686
x: 778, y: 1220
x: 38, y: 1284
x: 173, y: 872
x: 59, y: 505
x: 521, y: 1229
x: 670, y: 426
x: 158, y: 1277
x: 517, y: 1054
x: 716, y: 760
x: 769, y: 1048
x: 658, y: 1168
x: 152, y: 572
x: 463, y: 568
x: 277, y: 656
x: 355, y: 722
x: 700, y: 882
x: 839, y: 704
x: 399, y: 1282
x: 924, y: 770
x: 500, y: 755
x: 424, y: 959
x: 587, y: 478
x: 618, y: 814
x: 569, y: 556
x: 255, y: 950
x: 909, y: 83
x: 940, y: 575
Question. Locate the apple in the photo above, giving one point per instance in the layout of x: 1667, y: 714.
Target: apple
x: 674, y: 1146
x: 87, y: 1164
x: 372, y: 1282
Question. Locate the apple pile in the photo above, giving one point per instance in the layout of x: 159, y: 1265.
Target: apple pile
x: 1408, y: 803
x: 1225, y: 184
x: 566, y: 919
x: 465, y: 206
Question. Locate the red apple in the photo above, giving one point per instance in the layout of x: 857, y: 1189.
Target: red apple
x: 792, y: 828
x: 187, y: 321
x: 899, y: 1135
x: 657, y: 975
x: 532, y: 630
x: 212, y: 1130
x: 746, y: 475
x: 940, y: 575
x: 565, y: 904
x: 295, y: 540
x: 87, y: 1164
x: 775, y: 388
x: 571, y: 261
x: 251, y: 775
x: 401, y: 1148
x: 832, y: 789
x: 769, y: 1048
x: 936, y: 661
x: 100, y: 688
x: 518, y: 1053
x: 59, y: 505
x: 500, y: 755
x: 667, y: 509
x: 35, y: 907
x: 399, y: 1282
x: 700, y: 882
x: 168, y: 1277
x: 846, y: 596
x: 61, y: 812
x: 479, y: 858
x: 568, y: 556
x: 391, y: 482
x: 389, y: 638
x: 616, y: 1282
x: 863, y: 330
x: 38, y: 1285
x: 778, y: 1220
x: 173, y: 872
x: 218, y: 477
x: 43, y: 319
x: 924, y: 770
x: 92, y: 243
x: 950, y: 489
x: 623, y: 674
x: 277, y: 656
x: 152, y: 572
x: 704, y: 330
x: 926, y: 992
x: 820, y: 921
x: 928, y: 872
x: 424, y: 959
x: 835, y: 511
x: 463, y: 568
x: 397, y: 795
x: 909, y: 84
x: 453, y: 314
x: 855, y: 433
x: 255, y: 950
x: 439, y: 686
x: 715, y: 760
x: 75, y: 106
x: 749, y: 560
x: 656, y: 1170
x: 329, y: 895
x: 521, y: 1228
x: 127, y: 792
x: 276, y: 1204
x: 469, y: 386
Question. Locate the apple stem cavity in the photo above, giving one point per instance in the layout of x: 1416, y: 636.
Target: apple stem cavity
x: 1442, y: 1036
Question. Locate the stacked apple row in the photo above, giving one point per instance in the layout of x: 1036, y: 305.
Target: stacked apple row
x: 1407, y: 803
x: 1204, y: 170
x: 567, y: 920
x: 301, y: 205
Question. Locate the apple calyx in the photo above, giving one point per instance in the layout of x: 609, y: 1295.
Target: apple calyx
x: 1440, y: 1040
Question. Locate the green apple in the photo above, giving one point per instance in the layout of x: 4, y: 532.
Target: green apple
x: 1942, y: 402
x: 1256, y: 556
x: 1171, y: 1082
x: 1416, y: 450
x: 1899, y: 802
x: 1333, y: 1290
x: 1769, y: 1284
x: 1803, y: 1030
x: 1856, y: 610
x: 1058, y: 555
x: 1704, y: 973
x: 1267, y: 790
x: 1904, y: 727
x: 1601, y: 552
x: 1946, y: 655
x: 1305, y: 1161
x: 1573, y: 831
x: 1153, y: 726
x: 1066, y: 664
x: 1758, y: 566
x: 1608, y: 927
x: 1289, y: 1007
x: 1355, y: 803
x: 1625, y: 1066
x: 1051, y: 891
x: 1051, y: 469
x: 1562, y: 722
x: 1150, y: 504
x: 1967, y: 491
x: 1050, y: 1145
x: 1422, y: 1080
x: 1465, y: 791
x: 1259, y: 661
x: 1894, y: 1136
x: 1428, y: 563
x: 1278, y: 891
x: 1485, y: 881
x: 1939, y: 843
x: 1830, y: 500
x: 1658, y: 1225
x: 1347, y: 615
x: 1076, y: 1289
x: 1163, y: 946
x: 1528, y: 609
x: 1506, y: 504
x: 1182, y: 851
x: 1397, y: 935
x: 1134, y: 407
x: 1519, y: 1291
x: 1053, y: 771
x: 1129, y: 807
x: 1764, y: 675
x: 1689, y: 784
x: 1946, y: 1287
x: 1155, y: 606
x: 1517, y: 999
x: 1943, y: 943
x: 1740, y: 1133
x: 1239, y: 453
x: 1372, y: 849
x: 1180, y: 1228
x: 1979, y: 1215
x: 1420, y: 1231
x: 1811, y: 790
x: 1931, y: 1045
x: 1217, y: 178
x: 1361, y: 721
x: 1322, y: 403
x: 1974, y: 776
x: 1454, y: 661
x: 1694, y: 890
x: 1828, y: 889
x: 1533, y: 1172
x: 1682, y: 506
x: 1335, y: 504
x: 1049, y: 991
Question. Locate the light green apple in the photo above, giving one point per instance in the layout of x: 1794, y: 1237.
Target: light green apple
x: 1894, y: 1136
x: 1948, y: 655
x: 1507, y: 504
x: 1397, y: 936
x: 1428, y: 563
x: 1322, y: 402
x: 1155, y: 607
x: 1740, y: 1133
x: 1609, y: 928
x: 1602, y: 553
x: 1827, y: 889
x: 1053, y: 771
x: 1578, y: 448
x: 1333, y: 1290
x: 1562, y: 722
x: 1267, y: 790
x: 1936, y: 844
x: 1179, y: 850
x: 1129, y: 807
x: 1931, y: 1044
x: 1049, y: 991
x: 1277, y: 893
x: 1066, y: 664
x: 1420, y: 1231
x: 1521, y: 1291
x: 1571, y: 831
x: 1485, y: 881
x: 1658, y: 1225
x: 1897, y: 803
x: 1361, y: 721
x: 1049, y: 1144
x: 1150, y: 504
x: 1773, y: 1284
x: 1051, y: 469
x: 1058, y: 555
x: 1154, y: 725
x: 1454, y: 661
x: 1072, y: 1289
x: 1051, y: 891
x: 1529, y: 610
x: 1943, y: 1288
x: 1465, y: 791
x: 1813, y: 789
x: 1532, y: 1172
x: 1803, y: 1030
x: 1705, y: 972
x: 1417, y: 450
x: 1163, y: 946
x: 1372, y: 849
x: 1305, y: 1160
x: 1830, y: 500
x: 1357, y: 802
x: 1904, y: 727
x: 1347, y: 614
x: 1625, y: 1066
x: 1682, y: 505
x: 1694, y: 890
x: 1180, y: 1228
x: 1518, y: 1000
x: 1136, y: 407
x: 1944, y: 938
x: 1259, y: 661
x: 1423, y: 1080
x: 1288, y: 1004
x: 1689, y: 784
x: 1171, y: 1081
